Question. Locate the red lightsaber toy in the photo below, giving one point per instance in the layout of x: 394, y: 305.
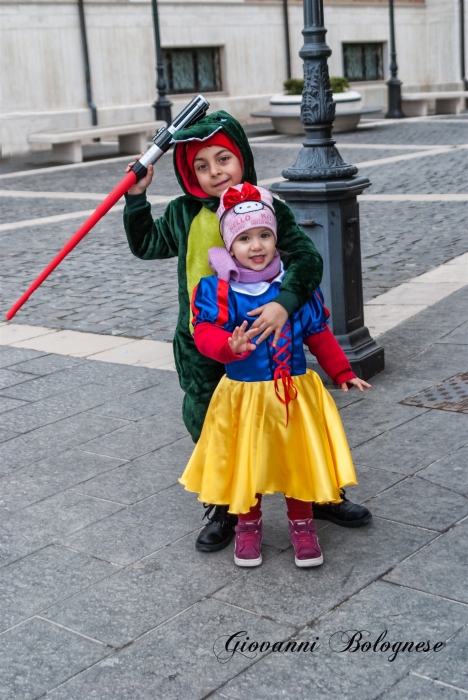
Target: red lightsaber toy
x: 194, y: 111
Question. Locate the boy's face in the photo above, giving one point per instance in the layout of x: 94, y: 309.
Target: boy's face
x: 216, y: 169
x: 255, y: 248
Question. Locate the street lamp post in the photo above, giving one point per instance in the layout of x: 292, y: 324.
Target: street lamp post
x: 322, y: 190
x: 162, y: 106
x: 394, y: 85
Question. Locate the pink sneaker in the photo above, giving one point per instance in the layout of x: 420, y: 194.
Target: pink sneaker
x: 305, y: 543
x: 248, y: 541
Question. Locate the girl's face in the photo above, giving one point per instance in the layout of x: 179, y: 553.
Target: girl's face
x: 217, y: 169
x: 255, y: 248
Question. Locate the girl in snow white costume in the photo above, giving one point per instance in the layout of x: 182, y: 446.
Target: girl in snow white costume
x: 271, y: 426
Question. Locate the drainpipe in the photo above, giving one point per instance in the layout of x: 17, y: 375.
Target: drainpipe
x: 286, y: 38
x: 462, y: 44
x: 84, y: 43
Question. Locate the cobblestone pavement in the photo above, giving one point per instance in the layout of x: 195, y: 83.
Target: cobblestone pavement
x: 102, y: 288
x: 103, y: 594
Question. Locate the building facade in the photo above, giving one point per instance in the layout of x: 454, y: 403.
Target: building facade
x: 231, y: 50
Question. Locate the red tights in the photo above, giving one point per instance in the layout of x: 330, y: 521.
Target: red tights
x: 297, y: 510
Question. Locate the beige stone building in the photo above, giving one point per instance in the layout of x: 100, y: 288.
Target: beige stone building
x: 231, y: 50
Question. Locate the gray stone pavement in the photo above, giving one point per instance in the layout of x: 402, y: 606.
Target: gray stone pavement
x: 102, y: 593
x: 101, y: 288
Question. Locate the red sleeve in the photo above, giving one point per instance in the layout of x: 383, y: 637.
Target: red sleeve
x: 330, y: 356
x: 212, y: 341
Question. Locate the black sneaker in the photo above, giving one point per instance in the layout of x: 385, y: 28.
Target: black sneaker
x: 345, y: 513
x: 219, y: 531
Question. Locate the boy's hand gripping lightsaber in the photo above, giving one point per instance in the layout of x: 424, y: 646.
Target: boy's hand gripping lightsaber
x: 194, y: 111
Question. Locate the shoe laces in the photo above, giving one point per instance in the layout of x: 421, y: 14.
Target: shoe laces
x: 219, y: 515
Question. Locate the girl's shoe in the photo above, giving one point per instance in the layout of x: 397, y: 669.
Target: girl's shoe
x: 248, y: 542
x: 305, y: 543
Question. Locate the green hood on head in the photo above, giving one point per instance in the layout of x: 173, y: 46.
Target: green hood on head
x: 202, y: 130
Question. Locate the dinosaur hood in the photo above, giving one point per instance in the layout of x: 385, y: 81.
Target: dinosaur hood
x: 201, y: 131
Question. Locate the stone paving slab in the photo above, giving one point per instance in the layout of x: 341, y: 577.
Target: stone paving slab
x: 451, y: 664
x: 7, y: 435
x: 9, y: 378
x: 140, y: 438
x: 459, y: 336
x: 440, y: 568
x: 34, y: 583
x: 139, y: 530
x: 8, y: 404
x: 366, y: 420
x: 11, y: 356
x: 148, y: 402
x: 47, y: 521
x: 44, y: 365
x: 141, y: 597
x: 133, y: 673
x: 407, y: 615
x: 411, y: 446
x: 63, y: 405
x: 450, y: 471
x: 412, y: 501
x: 135, y: 481
x: 417, y: 688
x: 54, y: 439
x: 371, y: 482
x: 27, y: 485
x: 37, y: 656
x: 353, y: 558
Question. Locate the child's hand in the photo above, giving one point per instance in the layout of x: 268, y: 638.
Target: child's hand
x: 240, y: 340
x: 360, y: 383
x: 142, y: 184
x: 271, y: 319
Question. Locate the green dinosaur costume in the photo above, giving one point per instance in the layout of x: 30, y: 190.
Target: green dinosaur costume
x: 188, y: 228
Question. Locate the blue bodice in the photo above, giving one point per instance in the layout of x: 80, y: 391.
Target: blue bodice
x: 226, y: 306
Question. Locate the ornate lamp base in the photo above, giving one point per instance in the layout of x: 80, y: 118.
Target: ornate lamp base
x: 319, y: 163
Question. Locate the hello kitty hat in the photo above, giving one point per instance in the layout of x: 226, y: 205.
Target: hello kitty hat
x: 243, y: 207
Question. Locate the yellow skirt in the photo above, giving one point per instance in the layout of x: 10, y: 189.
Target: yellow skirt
x: 245, y: 447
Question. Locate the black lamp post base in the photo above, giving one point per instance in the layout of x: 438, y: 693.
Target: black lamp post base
x: 319, y: 163
x: 394, y: 99
x: 328, y: 212
x: 162, y: 110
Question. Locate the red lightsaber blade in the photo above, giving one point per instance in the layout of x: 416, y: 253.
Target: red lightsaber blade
x: 161, y: 143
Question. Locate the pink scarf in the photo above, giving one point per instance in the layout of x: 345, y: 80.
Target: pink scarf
x: 227, y: 268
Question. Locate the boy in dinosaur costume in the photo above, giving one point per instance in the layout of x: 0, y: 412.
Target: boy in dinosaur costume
x: 209, y: 157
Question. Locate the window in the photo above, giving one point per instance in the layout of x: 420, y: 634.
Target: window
x: 363, y: 61
x: 192, y: 70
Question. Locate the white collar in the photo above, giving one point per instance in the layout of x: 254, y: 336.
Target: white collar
x: 256, y: 288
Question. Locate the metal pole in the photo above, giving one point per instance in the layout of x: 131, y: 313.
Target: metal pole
x: 286, y: 39
x: 322, y: 191
x: 84, y: 43
x: 462, y: 45
x: 162, y: 106
x: 318, y: 159
x: 394, y: 85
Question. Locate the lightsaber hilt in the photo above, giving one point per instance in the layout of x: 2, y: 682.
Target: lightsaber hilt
x: 163, y: 140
